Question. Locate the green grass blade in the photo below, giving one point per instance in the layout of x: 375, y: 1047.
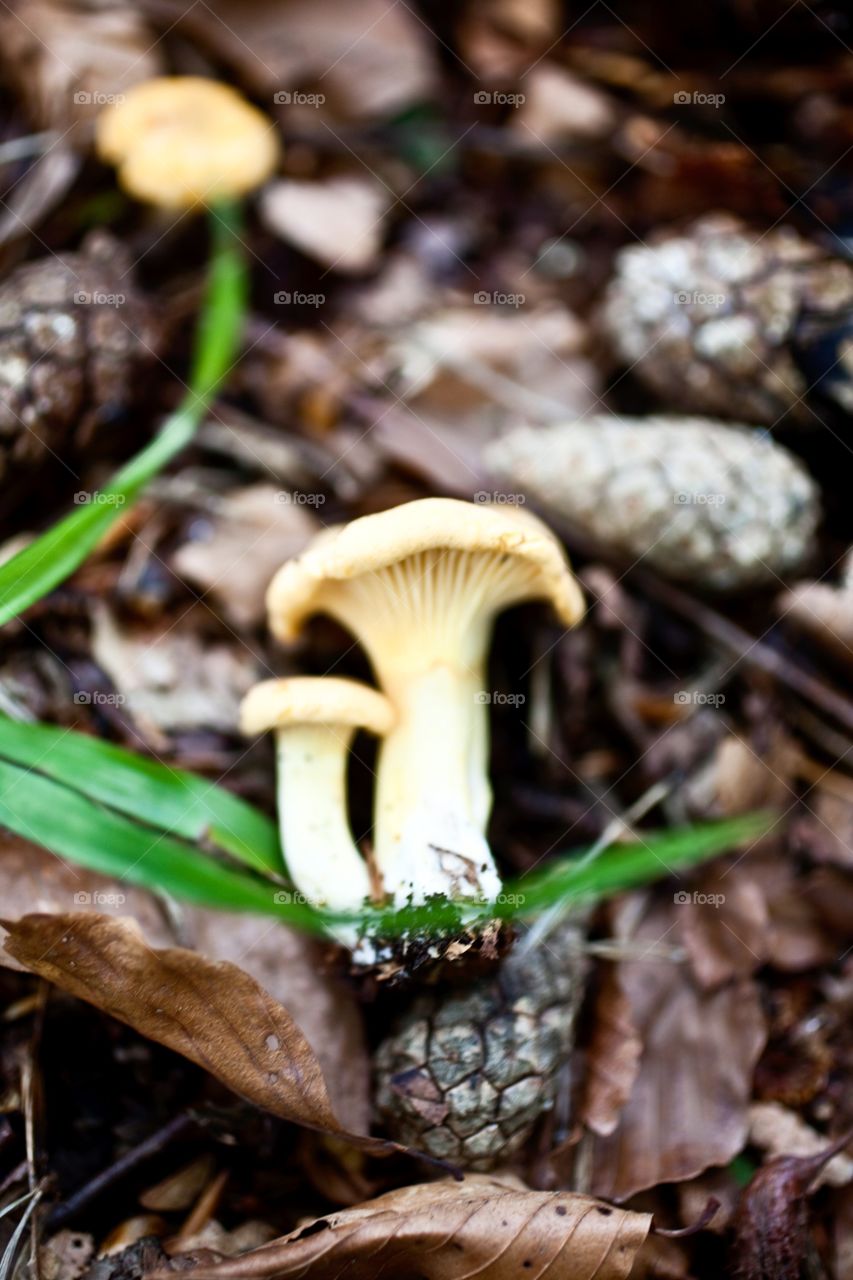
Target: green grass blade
x: 180, y: 803
x: 625, y: 866
x: 74, y: 827
x: 53, y: 556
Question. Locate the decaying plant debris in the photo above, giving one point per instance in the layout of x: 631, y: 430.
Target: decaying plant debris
x: 494, y: 277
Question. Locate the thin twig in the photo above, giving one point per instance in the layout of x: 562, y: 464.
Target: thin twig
x: 747, y: 649
x: 102, y: 1181
x: 549, y: 919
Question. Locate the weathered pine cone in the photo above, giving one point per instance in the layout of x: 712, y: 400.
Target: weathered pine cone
x: 726, y: 319
x: 464, y: 1074
x: 74, y: 337
x: 720, y: 505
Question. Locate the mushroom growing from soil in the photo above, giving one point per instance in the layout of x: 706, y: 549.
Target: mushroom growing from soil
x: 419, y: 585
x: 180, y: 141
x: 315, y: 719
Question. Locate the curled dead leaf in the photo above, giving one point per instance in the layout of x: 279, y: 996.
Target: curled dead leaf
x: 445, y: 1229
x: 213, y: 1013
x: 612, y: 1058
x: 285, y: 963
x: 771, y: 1238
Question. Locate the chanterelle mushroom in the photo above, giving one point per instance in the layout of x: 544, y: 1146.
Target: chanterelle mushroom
x: 179, y: 141
x: 315, y: 718
x: 420, y: 585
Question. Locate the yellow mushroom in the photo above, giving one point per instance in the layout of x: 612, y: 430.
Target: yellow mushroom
x: 180, y: 141
x: 419, y: 586
x: 314, y: 719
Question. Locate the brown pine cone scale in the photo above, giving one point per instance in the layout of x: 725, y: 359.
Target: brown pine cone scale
x: 465, y: 1074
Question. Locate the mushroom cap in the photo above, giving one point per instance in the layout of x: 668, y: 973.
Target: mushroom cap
x: 178, y: 141
x: 299, y: 700
x: 372, y: 543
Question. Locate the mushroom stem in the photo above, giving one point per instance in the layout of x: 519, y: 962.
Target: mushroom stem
x: 319, y: 850
x: 433, y: 797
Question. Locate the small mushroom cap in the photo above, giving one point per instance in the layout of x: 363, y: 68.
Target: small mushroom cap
x: 375, y: 542
x: 179, y: 141
x: 331, y: 700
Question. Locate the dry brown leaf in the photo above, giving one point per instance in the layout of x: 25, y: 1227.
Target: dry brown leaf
x: 612, y: 1059
x: 725, y: 925
x: 443, y: 1230
x: 34, y: 880
x: 69, y: 59
x: 337, y: 222
x: 248, y: 1235
x: 367, y: 60
x: 779, y: 1131
x: 824, y: 610
x: 688, y: 1107
x: 771, y: 1227
x: 797, y: 937
x: 236, y: 554
x: 746, y: 778
x: 289, y: 966
x: 212, y: 1013
x: 180, y: 1188
x: 559, y: 106
x: 285, y: 963
x: 168, y: 677
x: 827, y: 829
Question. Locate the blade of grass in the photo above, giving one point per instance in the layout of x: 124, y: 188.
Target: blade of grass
x: 625, y: 866
x: 176, y: 801
x: 74, y: 827
x: 53, y: 556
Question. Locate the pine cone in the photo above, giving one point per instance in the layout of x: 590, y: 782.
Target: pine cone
x: 723, y: 319
x: 74, y: 336
x: 464, y: 1074
x: 722, y: 506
